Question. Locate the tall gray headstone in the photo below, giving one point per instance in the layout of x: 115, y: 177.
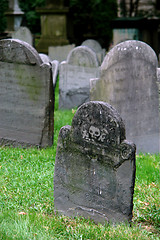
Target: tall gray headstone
x: 95, y: 166
x: 26, y: 96
x: 96, y: 47
x: 129, y: 83
x: 74, y: 77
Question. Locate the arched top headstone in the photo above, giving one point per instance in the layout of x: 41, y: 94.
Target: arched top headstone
x: 130, y: 49
x: 93, y: 44
x: 82, y: 56
x: 98, y: 123
x: 17, y: 51
x: 128, y: 81
x: 23, y: 34
x: 26, y: 96
x: 45, y: 58
x: 95, y: 166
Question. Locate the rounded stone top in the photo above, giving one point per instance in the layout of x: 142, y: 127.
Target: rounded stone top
x: 93, y: 44
x: 82, y: 56
x: 17, y: 51
x: 98, y: 123
x: 131, y: 49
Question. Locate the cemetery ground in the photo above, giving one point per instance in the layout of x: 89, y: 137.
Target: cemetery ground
x: 27, y: 201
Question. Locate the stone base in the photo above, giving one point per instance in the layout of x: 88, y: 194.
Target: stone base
x: 45, y: 43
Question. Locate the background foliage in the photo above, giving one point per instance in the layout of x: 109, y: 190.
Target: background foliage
x: 92, y: 19
x: 87, y: 19
x: 3, y: 7
x: 31, y: 18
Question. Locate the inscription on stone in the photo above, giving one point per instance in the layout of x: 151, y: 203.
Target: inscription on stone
x: 129, y: 83
x: 74, y: 77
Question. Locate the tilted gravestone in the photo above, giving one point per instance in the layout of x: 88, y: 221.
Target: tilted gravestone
x: 129, y: 83
x: 95, y: 166
x: 96, y: 47
x: 74, y: 77
x: 26, y: 96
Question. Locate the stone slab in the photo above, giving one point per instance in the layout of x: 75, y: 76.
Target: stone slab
x: 26, y: 96
x: 74, y: 77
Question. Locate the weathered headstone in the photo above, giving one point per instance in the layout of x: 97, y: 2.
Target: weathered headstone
x: 23, y: 34
x: 95, y: 166
x: 55, y: 71
x: 128, y: 83
x: 74, y: 77
x: 158, y: 83
x: 26, y: 96
x: 45, y: 58
x: 54, y: 65
x: 60, y: 53
x: 96, y: 47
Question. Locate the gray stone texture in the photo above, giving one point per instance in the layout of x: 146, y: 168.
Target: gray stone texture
x: 23, y: 34
x: 54, y: 65
x: 45, y: 58
x: 129, y: 83
x: 55, y: 71
x: 74, y: 77
x: 96, y: 47
x: 60, y: 53
x: 158, y: 83
x: 26, y: 96
x: 95, y: 166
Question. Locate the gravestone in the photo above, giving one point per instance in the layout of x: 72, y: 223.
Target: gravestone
x: 158, y: 83
x: 96, y: 47
x: 24, y: 34
x: 55, y: 71
x: 74, y: 77
x: 54, y: 65
x: 95, y: 166
x: 60, y: 53
x: 26, y: 96
x: 45, y: 58
x: 128, y: 83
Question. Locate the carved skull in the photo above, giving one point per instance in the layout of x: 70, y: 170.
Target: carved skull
x: 94, y: 132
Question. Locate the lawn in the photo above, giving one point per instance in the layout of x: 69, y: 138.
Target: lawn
x: 27, y: 201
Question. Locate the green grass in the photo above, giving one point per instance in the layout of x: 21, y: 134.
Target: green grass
x: 27, y: 202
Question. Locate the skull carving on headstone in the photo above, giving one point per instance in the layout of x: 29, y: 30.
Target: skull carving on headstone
x: 94, y: 132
